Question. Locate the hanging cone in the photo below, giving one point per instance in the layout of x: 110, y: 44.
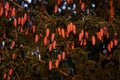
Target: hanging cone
x: 63, y: 33
x: 84, y: 42
x: 63, y: 55
x: 109, y: 57
x: 1, y: 11
x: 115, y: 42
x: 72, y: 45
x: 68, y: 28
x: 74, y: 29
x: 80, y: 36
x: 19, y: 20
x: 105, y: 30
x: 5, y: 75
x: 82, y: 6
x: 52, y: 37
x: 82, y: 33
x: 115, y: 35
x: 71, y: 26
x: 13, y: 44
x: 13, y: 12
x: 56, y: 63
x: 10, y: 71
x: 81, y: 42
x: 21, y: 29
x: 15, y: 22
x: 47, y: 32
x: 107, y: 35
x: 7, y: 6
x: 86, y: 35
x: 50, y: 47
x: 55, y: 8
x: 93, y: 40
x: 100, y: 36
x: 36, y: 38
x: 59, y: 57
x: 8, y: 77
x: 111, y: 44
x: 80, y: 1
x: 45, y: 40
x: 59, y: 31
x: 25, y: 17
x: 58, y: 2
x: 111, y: 3
x: 6, y: 13
x: 68, y: 1
x: 22, y: 21
x: 50, y: 65
x: 13, y: 56
x: 34, y: 29
x: 26, y: 32
x: 54, y: 44
x: 101, y: 32
x: 67, y: 34
x: 112, y: 13
x: 109, y: 47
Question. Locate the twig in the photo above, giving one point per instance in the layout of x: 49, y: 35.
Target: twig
x: 42, y: 61
x: 17, y: 75
x: 20, y: 7
x: 16, y: 4
x: 64, y: 73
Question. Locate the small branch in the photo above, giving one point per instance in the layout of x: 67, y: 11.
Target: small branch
x: 42, y: 61
x: 20, y: 7
x: 17, y: 75
x: 64, y: 73
x: 16, y: 4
